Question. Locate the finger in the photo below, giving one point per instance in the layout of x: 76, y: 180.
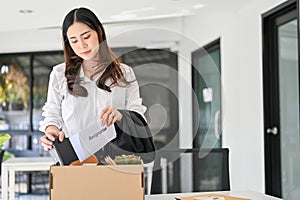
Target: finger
x: 110, y: 119
x: 118, y: 116
x: 51, y: 136
x: 113, y: 121
x: 105, y: 118
x: 104, y: 111
x: 46, y: 141
x: 47, y: 148
x: 61, y: 136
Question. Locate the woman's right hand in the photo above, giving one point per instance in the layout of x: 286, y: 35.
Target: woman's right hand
x: 52, y: 133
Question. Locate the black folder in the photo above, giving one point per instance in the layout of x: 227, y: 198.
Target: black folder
x: 63, y: 152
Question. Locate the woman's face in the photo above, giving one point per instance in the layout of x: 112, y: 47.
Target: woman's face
x: 83, y: 40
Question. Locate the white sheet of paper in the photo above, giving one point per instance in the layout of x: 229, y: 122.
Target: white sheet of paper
x: 209, y: 198
x: 92, y: 139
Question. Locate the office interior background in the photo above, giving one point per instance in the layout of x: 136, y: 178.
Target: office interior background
x: 182, y: 53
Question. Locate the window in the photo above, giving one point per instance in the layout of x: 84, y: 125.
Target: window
x: 156, y: 72
x: 23, y: 90
x: 206, y: 75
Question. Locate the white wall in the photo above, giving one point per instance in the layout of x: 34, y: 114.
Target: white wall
x: 241, y: 60
x: 30, y: 41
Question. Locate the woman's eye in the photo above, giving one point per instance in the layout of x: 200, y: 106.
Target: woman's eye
x: 73, y: 41
x: 86, y: 37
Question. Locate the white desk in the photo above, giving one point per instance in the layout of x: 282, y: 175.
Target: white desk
x: 241, y: 194
x: 10, y: 166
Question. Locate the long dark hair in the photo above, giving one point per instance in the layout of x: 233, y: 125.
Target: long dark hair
x: 73, y: 62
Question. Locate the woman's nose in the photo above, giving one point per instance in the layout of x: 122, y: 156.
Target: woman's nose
x: 82, y: 44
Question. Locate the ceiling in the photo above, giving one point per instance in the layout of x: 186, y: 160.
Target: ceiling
x: 49, y: 14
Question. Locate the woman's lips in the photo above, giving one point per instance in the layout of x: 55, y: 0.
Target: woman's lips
x: 86, y: 52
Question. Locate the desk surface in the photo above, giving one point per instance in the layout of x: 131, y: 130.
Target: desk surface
x: 242, y: 194
x: 28, y: 161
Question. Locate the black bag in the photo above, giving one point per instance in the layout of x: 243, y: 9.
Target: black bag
x: 133, y: 137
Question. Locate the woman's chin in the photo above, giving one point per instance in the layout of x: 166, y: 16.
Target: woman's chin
x: 87, y: 56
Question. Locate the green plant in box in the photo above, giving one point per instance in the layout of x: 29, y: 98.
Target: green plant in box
x: 128, y: 160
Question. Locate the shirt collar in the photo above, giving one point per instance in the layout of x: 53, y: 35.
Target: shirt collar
x: 82, y: 76
x: 81, y: 73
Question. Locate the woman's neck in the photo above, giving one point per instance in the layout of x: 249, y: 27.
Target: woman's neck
x: 92, y: 69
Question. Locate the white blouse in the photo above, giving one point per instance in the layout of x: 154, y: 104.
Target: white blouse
x: 72, y: 114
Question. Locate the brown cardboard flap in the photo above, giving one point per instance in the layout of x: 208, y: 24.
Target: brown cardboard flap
x: 211, y: 195
x: 90, y: 160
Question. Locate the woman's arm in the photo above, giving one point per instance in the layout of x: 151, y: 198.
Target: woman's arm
x: 133, y: 101
x: 52, y: 109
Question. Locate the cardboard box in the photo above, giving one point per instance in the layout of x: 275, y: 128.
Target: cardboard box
x: 97, y: 182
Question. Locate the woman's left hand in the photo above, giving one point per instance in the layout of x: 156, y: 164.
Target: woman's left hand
x: 110, y: 115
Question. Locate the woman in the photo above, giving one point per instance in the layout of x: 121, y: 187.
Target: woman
x: 91, y: 84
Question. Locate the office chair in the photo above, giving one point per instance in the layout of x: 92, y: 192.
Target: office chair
x: 208, y: 169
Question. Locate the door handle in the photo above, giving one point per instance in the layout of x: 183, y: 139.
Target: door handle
x: 273, y: 130
x: 217, y: 114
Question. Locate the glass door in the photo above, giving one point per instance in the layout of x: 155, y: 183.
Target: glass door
x: 289, y: 109
x: 281, y: 103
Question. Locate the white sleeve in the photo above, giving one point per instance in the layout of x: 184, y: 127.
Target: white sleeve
x: 133, y: 101
x: 52, y: 108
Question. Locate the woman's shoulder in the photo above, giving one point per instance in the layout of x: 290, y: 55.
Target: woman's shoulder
x: 58, y: 72
x: 127, y: 72
x: 125, y: 68
x: 59, y: 68
x: 58, y: 76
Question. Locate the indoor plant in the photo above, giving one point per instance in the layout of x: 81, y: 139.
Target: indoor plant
x: 3, y: 154
x: 3, y: 138
x: 4, y: 98
x: 14, y: 88
x: 17, y: 88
